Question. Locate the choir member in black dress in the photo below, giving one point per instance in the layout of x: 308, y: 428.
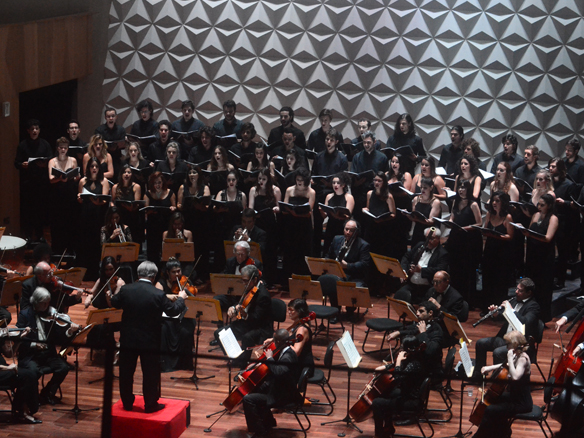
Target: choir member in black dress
x: 258, y: 161
x: 34, y: 184
x: 220, y: 164
x: 496, y: 265
x: 63, y: 193
x: 568, y: 218
x: 173, y: 169
x: 468, y: 169
x: 338, y: 198
x: 230, y: 215
x: 452, y: 153
x: 128, y: 190
x: 114, y: 229
x: 540, y: 253
x: 429, y: 205
x: 135, y: 159
x: 517, y: 400
x: 97, y: 149
x: 178, y: 333
x: 503, y: 181
x: 404, y: 134
x: 91, y: 217
x: 395, y: 173
x: 157, y: 195
x: 145, y: 126
x: 97, y: 297
x: 297, y: 229
x: 428, y: 170
x: 402, y: 200
x: 464, y: 246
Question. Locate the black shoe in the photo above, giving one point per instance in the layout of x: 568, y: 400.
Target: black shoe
x: 214, y: 343
x: 26, y: 419
x: 157, y: 407
x: 128, y: 408
x: 334, y: 320
x: 47, y: 399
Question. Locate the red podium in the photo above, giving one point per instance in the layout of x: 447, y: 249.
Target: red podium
x: 170, y: 422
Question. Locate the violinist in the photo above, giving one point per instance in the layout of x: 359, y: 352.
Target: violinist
x: 177, y: 340
x: 408, y: 374
x: 517, y: 400
x: 278, y: 390
x: 114, y: 229
x: 51, y: 328
x: 252, y: 323
x: 527, y: 312
x: 43, y: 276
x: 26, y: 399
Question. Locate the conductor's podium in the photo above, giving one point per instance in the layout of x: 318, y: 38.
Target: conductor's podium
x: 170, y: 422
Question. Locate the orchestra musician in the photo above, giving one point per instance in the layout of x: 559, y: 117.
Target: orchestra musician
x: 568, y: 317
x: 114, y: 229
x: 517, y: 400
x: 176, y: 228
x: 41, y: 253
x: 253, y: 323
x: 408, y: 373
x: 143, y: 305
x: 526, y: 310
x: 43, y: 276
x: 248, y: 232
x: 278, y: 390
x: 41, y: 352
x: 26, y: 398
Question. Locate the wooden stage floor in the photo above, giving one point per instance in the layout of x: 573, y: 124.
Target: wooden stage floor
x: 212, y: 392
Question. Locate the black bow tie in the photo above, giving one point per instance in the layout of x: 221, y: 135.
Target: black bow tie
x: 429, y: 250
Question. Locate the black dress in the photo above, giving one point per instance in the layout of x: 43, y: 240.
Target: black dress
x: 297, y: 232
x: 497, y: 268
x: 132, y: 218
x: 90, y: 222
x: 156, y: 225
x: 539, y: 262
x: 177, y: 340
x: 99, y: 336
x: 401, y: 223
x: 306, y: 358
x: 266, y: 220
x: 64, y: 211
x: 334, y: 226
x: 223, y: 223
x: 418, y: 233
x: 198, y: 222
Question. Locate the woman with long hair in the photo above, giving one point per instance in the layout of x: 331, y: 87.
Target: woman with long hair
x: 98, y: 150
x: 157, y: 195
x: 128, y: 190
x: 114, y: 230
x: 135, y: 159
x: 339, y: 198
x: 176, y: 228
x: 174, y: 166
x: 404, y: 134
x: 396, y: 174
x: 402, y: 200
x: 503, y: 181
x: 468, y: 169
x: 427, y: 204
x: 428, y: 170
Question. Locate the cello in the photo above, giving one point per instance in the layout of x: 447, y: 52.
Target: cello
x: 490, y: 395
x: 568, y: 365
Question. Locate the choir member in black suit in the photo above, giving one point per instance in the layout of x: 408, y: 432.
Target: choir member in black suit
x: 145, y: 126
x: 286, y: 121
x: 317, y: 138
x: 143, y: 305
x: 278, y: 390
x: 574, y: 164
x: 156, y: 151
x: 228, y: 125
x: 526, y: 310
x: 452, y: 152
x: 509, y: 154
x: 187, y: 123
x: 528, y: 170
x: 432, y: 259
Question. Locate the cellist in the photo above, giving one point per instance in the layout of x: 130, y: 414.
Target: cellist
x: 517, y: 399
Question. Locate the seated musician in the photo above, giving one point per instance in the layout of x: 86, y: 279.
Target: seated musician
x: 42, y: 352
x: 517, y: 400
x: 426, y: 330
x: 248, y: 232
x: 353, y: 253
x: 43, y: 276
x: 177, y: 336
x: 279, y: 389
x: 409, y: 373
x: 432, y: 259
x: 569, y: 317
x: 26, y: 398
x: 251, y: 324
x: 527, y: 312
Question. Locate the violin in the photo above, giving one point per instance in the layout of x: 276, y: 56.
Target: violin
x: 65, y: 286
x: 183, y: 283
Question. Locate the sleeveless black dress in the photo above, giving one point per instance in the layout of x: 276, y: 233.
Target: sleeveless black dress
x: 90, y: 222
x: 334, y: 227
x: 497, y: 268
x: 539, y: 263
x: 418, y: 233
x: 297, y: 233
x: 156, y: 225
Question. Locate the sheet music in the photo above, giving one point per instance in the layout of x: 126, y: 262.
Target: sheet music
x: 509, y: 315
x: 230, y: 344
x: 348, y: 350
x: 465, y: 358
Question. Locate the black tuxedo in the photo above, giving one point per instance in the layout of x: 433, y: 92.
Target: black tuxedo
x: 528, y: 315
x: 231, y: 265
x: 140, y: 334
x: 438, y: 262
x: 574, y: 311
x: 451, y: 302
x: 256, y: 235
x: 432, y: 337
x: 226, y: 301
x: 279, y: 390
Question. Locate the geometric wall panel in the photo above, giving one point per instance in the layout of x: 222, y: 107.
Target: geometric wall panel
x: 489, y: 65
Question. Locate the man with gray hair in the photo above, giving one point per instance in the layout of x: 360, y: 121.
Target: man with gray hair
x: 41, y: 352
x: 140, y: 335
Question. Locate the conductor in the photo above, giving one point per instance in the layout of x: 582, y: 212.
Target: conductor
x: 143, y: 305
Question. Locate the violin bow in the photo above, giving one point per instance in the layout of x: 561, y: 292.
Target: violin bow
x: 106, y: 284
x: 61, y: 259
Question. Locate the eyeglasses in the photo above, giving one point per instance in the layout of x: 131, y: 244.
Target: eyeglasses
x: 436, y: 281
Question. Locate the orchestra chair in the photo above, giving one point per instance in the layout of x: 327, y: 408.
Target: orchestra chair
x: 47, y: 370
x: 534, y: 348
x: 443, y: 389
x: 297, y: 409
x: 9, y: 390
x: 279, y: 310
x: 419, y: 414
x: 323, y: 381
x: 384, y: 325
x: 539, y: 414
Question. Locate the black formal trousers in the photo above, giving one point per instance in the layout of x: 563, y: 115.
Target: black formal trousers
x: 150, y: 364
x: 52, y: 360
x: 26, y: 384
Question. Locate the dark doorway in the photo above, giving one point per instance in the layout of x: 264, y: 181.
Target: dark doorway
x: 52, y: 106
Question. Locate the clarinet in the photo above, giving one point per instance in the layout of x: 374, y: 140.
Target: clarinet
x: 421, y: 249
x: 345, y: 248
x: 493, y: 313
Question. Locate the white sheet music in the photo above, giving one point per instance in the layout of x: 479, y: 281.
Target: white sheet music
x: 230, y: 344
x: 509, y: 315
x: 348, y: 350
x: 465, y: 358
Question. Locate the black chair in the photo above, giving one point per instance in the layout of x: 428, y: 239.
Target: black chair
x: 297, y: 408
x: 419, y: 415
x: 443, y: 389
x: 10, y: 393
x: 323, y: 311
x: 539, y: 414
x: 384, y: 325
x: 278, y: 310
x: 323, y: 381
x: 534, y: 348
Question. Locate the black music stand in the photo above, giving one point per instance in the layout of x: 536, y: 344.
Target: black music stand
x: 206, y: 309
x: 76, y: 343
x: 106, y: 317
x: 349, y: 295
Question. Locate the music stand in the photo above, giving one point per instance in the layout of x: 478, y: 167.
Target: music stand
x: 76, y: 342
x: 403, y: 309
x: 303, y: 287
x: 388, y: 265
x: 227, y: 284
x: 255, y: 251
x: 74, y: 275
x: 121, y: 252
x: 454, y: 328
x: 206, y: 309
x: 12, y: 291
x: 349, y: 295
x: 103, y: 316
x: 318, y: 267
x: 183, y: 251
